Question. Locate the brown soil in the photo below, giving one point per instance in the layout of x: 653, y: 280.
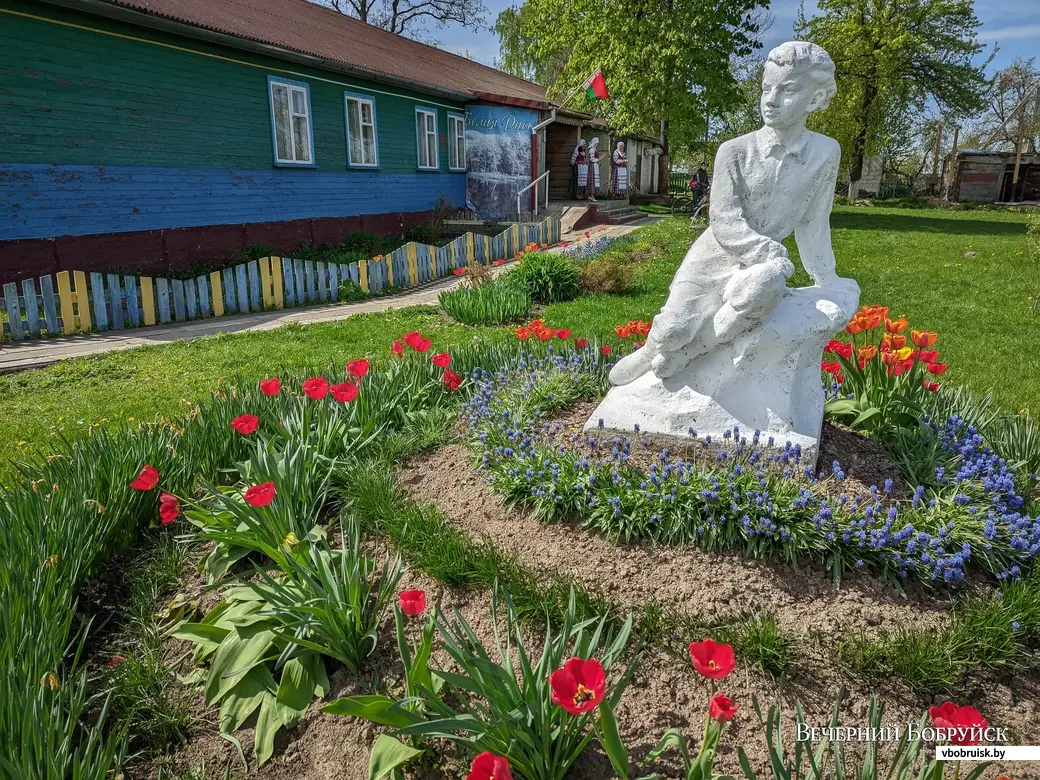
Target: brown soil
x: 805, y: 602
x: 666, y: 692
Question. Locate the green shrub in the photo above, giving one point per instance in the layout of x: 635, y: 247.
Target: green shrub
x: 420, y: 234
x: 363, y: 241
x: 548, y: 277
x: 494, y: 303
x: 607, y: 274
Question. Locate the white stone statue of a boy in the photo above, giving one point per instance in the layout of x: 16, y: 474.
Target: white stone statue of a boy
x: 725, y: 296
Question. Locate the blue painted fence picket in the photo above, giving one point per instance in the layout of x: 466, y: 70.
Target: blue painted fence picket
x: 33, y: 307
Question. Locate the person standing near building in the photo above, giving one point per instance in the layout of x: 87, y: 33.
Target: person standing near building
x: 620, y: 187
x: 579, y: 171
x: 593, y: 169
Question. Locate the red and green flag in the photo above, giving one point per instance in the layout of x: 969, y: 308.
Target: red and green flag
x: 596, y: 86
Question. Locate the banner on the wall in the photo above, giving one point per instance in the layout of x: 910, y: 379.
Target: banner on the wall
x: 498, y: 157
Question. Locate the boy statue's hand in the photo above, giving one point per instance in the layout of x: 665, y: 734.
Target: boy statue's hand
x: 778, y: 257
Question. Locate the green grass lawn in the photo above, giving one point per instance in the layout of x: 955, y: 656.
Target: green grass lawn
x: 911, y: 260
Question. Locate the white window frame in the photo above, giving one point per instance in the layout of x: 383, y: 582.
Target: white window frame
x: 456, y: 133
x: 291, y: 87
x: 422, y: 141
x: 352, y: 97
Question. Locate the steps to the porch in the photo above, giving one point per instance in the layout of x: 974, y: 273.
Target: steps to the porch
x: 577, y: 214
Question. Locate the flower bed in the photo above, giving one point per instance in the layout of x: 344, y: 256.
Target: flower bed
x: 302, y: 603
x: 756, y: 498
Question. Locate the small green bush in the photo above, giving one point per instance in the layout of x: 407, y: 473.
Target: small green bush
x: 607, y: 274
x: 363, y: 241
x: 420, y: 234
x: 548, y: 277
x: 494, y: 303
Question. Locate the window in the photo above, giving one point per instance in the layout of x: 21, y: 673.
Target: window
x: 291, y: 123
x: 362, y: 149
x: 426, y: 137
x: 456, y: 142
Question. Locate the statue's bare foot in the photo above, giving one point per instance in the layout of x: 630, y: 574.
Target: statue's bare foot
x: 630, y: 367
x: 669, y: 364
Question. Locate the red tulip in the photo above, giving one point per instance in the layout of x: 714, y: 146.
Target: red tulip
x: 260, y: 495
x: 722, y: 708
x: 836, y: 347
x: 413, y: 602
x: 587, y: 234
x: 245, y: 424
x: 831, y: 367
x: 411, y: 339
x: 115, y: 661
x: 581, y: 343
x: 423, y: 345
x: 607, y: 349
x: 936, y: 368
x: 579, y: 686
x: 397, y: 348
x: 451, y: 380
x: 546, y: 334
x: 712, y: 659
x: 316, y: 387
x: 963, y: 725
x: 441, y: 360
x: 169, y: 508
x: 488, y: 766
x: 358, y: 367
x: 839, y: 378
x: 563, y: 334
x: 460, y: 271
x: 499, y: 262
x: 928, y: 355
x: 146, y: 480
x: 270, y: 387
x: 344, y: 392
x: 523, y: 333
x: 931, y: 387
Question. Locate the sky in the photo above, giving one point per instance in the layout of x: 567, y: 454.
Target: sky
x: 1014, y: 25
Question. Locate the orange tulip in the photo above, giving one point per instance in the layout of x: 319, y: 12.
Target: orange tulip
x: 623, y: 331
x: 923, y: 338
x: 893, y: 341
x: 872, y: 321
x: 853, y: 327
x: 896, y: 326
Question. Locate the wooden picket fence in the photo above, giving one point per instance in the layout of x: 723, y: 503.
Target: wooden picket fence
x: 67, y: 303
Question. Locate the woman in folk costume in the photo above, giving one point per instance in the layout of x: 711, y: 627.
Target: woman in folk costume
x: 593, y: 168
x: 620, y: 188
x: 579, y: 171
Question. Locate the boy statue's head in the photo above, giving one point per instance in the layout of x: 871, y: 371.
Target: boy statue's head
x: 798, y: 79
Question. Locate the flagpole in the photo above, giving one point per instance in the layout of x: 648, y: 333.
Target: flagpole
x: 574, y: 92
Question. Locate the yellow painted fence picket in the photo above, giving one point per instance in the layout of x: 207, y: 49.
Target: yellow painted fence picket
x: 83, y: 302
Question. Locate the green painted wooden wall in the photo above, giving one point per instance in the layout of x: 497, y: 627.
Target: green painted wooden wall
x: 77, y: 96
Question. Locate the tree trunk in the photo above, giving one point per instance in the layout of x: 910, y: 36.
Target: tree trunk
x: 859, y: 144
x: 663, y: 162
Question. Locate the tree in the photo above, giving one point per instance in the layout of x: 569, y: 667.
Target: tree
x: 893, y: 58
x: 1015, y: 107
x: 667, y: 63
x: 411, y: 17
